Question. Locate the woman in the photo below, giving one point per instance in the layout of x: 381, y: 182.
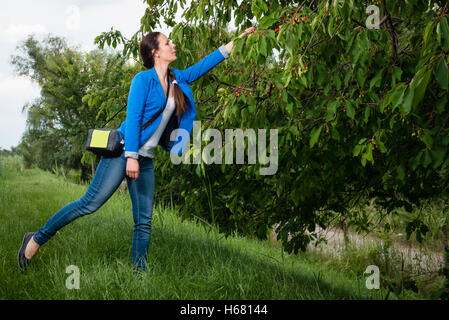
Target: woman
x: 147, y: 95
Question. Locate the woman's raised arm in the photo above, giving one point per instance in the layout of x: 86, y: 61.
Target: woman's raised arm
x: 210, y: 61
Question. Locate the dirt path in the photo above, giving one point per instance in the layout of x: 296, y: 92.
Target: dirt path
x: 419, y: 258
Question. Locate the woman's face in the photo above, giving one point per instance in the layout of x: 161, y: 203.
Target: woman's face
x: 166, y: 51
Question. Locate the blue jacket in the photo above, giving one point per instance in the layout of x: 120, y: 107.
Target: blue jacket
x: 146, y: 97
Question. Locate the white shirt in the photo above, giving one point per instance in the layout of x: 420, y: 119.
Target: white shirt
x: 147, y: 150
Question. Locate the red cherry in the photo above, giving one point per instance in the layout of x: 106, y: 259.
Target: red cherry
x: 268, y: 91
x: 344, y: 110
x: 246, y: 95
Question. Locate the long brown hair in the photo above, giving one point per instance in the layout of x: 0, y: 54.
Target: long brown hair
x: 148, y: 43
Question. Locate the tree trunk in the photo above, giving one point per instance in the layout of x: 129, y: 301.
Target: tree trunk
x: 92, y: 166
x: 446, y: 256
x: 344, y: 227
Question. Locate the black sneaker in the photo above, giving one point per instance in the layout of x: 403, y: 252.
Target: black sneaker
x: 22, y: 260
x: 139, y: 271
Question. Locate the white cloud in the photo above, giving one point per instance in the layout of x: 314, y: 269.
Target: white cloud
x: 11, y: 132
x: 20, y: 31
x: 78, y: 21
x: 15, y: 92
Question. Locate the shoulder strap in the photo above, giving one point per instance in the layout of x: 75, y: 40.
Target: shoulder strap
x: 114, y: 116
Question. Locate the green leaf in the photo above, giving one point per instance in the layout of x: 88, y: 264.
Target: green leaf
x: 327, y: 88
x: 396, y: 76
x: 266, y: 22
x: 417, y: 160
x: 239, y: 43
x: 427, y: 159
x: 263, y: 5
x: 357, y: 150
x: 361, y: 77
x: 442, y: 74
x: 438, y: 157
x: 363, y: 160
x: 337, y: 81
x: 289, y: 109
x: 369, y: 153
x: 263, y: 47
x: 406, y: 106
x: 381, y: 146
x: 347, y: 77
x: 362, y: 140
x: 427, y: 138
x: 255, y: 8
x: 315, y: 134
x: 367, y: 114
x: 441, y: 106
x: 330, y: 27
x: 335, y: 134
x: 445, y: 33
x: 350, y: 111
x: 428, y: 31
x: 375, y: 82
x: 401, y: 173
x: 291, y: 40
x: 286, y: 78
x: 331, y: 110
x: 421, y: 86
x: 398, y: 95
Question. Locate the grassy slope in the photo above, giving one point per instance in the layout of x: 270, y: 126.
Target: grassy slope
x: 186, y: 260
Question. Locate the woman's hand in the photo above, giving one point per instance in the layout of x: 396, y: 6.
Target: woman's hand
x: 247, y: 32
x: 230, y: 45
x: 132, y: 168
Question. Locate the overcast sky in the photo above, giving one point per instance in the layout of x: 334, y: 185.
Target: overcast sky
x: 78, y: 21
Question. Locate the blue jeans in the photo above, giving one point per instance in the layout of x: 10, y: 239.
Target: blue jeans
x: 107, y: 178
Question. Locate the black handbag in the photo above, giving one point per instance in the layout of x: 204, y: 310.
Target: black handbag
x: 109, y: 143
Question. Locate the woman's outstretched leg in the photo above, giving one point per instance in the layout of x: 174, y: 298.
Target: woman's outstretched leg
x: 108, y: 176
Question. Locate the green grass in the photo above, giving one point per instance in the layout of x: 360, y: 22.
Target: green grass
x: 186, y: 260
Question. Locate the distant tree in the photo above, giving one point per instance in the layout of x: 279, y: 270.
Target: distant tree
x: 58, y: 120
